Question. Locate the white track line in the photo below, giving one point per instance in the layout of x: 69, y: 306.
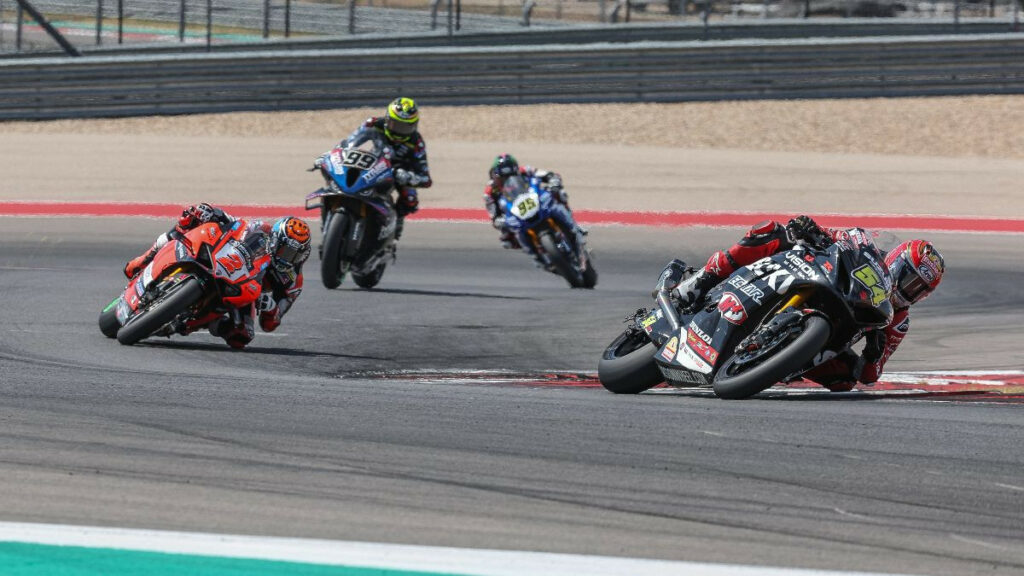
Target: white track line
x: 465, y: 561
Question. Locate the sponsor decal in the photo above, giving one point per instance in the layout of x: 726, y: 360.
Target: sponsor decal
x: 704, y: 349
x: 764, y: 266
x: 903, y: 327
x: 669, y: 352
x: 674, y: 375
x: 377, y: 170
x: 805, y: 270
x: 809, y: 258
x: 700, y: 333
x: 732, y: 309
x: 828, y: 265
x: 751, y: 291
x: 691, y: 360
x: 867, y: 276
x: 779, y: 279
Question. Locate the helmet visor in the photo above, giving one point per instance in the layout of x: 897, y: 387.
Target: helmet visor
x: 913, y: 287
x: 402, y: 129
x: 291, y: 252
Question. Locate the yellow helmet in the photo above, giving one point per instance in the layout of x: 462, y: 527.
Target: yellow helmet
x: 403, y: 118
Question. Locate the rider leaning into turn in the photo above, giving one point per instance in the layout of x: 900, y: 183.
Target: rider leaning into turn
x: 399, y: 126
x: 289, y: 247
x: 504, y: 166
x: 916, y: 268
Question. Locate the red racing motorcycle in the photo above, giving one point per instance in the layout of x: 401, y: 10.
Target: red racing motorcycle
x: 192, y: 281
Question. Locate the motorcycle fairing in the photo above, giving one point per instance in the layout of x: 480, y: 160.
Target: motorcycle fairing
x: 361, y: 167
x: 222, y: 254
x: 752, y: 292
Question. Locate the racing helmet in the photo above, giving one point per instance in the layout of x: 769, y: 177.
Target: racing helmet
x: 402, y: 119
x: 504, y: 165
x: 916, y: 268
x: 289, y: 242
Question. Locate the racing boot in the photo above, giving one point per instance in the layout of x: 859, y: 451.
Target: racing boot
x: 135, y: 265
x: 691, y: 290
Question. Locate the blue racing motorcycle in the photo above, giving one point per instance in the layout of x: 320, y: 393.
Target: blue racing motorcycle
x: 533, y: 214
x: 357, y: 211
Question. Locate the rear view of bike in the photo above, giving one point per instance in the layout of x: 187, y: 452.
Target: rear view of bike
x: 358, y: 217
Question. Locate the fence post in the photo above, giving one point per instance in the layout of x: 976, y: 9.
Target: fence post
x: 19, y: 16
x: 287, y: 18
x: 458, y: 15
x: 351, y: 16
x: 99, y: 22
x: 528, y: 12
x: 451, y: 20
x: 956, y: 16
x: 434, y: 4
x: 120, y: 22
x: 604, y: 10
x: 181, y: 21
x: 266, y: 19
x: 209, y: 24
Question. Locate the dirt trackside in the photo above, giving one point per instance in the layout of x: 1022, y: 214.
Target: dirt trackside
x: 961, y: 155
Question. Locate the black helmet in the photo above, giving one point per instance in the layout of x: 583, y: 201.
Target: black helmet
x: 504, y: 165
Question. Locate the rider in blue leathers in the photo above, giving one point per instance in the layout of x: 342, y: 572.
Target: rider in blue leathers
x: 512, y: 235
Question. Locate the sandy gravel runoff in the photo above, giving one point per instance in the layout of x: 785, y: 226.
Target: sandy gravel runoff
x: 958, y: 156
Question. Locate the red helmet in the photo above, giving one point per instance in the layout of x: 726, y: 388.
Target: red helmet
x: 916, y: 268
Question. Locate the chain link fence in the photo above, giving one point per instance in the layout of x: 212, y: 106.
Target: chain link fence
x: 88, y: 24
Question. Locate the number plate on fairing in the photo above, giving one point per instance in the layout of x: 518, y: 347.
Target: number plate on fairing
x: 525, y: 206
x: 231, y: 262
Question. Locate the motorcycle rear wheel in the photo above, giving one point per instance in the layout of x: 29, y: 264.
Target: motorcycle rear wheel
x: 559, y: 261
x: 331, y: 271
x: 371, y: 279
x: 108, y: 320
x: 786, y: 361
x: 628, y: 366
x: 173, y: 302
x: 589, y: 275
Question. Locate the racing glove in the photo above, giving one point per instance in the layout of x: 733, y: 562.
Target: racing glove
x: 804, y: 228
x: 266, y: 303
x: 874, y: 346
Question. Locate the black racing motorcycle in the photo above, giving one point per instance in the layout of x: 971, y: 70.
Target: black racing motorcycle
x: 768, y: 322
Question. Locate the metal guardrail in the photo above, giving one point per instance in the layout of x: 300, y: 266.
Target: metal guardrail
x: 610, y: 33
x: 641, y: 72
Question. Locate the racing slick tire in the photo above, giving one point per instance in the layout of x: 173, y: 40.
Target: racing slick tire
x: 628, y: 366
x: 173, y: 302
x: 371, y: 279
x: 331, y: 270
x: 108, y: 320
x: 561, y: 264
x: 589, y: 275
x: 786, y: 361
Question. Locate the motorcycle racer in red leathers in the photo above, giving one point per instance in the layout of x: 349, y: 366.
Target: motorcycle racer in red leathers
x: 916, y: 267
x: 289, y: 246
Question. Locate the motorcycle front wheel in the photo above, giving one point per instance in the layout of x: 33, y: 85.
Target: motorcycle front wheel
x: 331, y: 271
x: 628, y: 366
x: 108, y: 320
x: 174, y: 301
x: 559, y: 261
x: 734, y: 383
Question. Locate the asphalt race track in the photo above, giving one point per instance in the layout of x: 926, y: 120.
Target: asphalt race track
x: 337, y: 427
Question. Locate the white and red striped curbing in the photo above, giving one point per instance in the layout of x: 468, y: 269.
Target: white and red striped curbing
x: 935, y: 223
